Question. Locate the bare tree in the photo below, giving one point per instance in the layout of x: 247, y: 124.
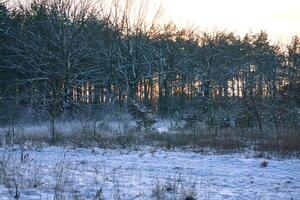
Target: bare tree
x: 54, y: 54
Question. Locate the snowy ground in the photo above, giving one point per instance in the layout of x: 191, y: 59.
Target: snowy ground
x: 125, y: 174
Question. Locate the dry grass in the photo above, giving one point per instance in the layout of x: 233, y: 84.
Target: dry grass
x: 222, y: 140
x: 173, y: 190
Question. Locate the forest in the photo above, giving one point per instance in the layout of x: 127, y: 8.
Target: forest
x: 103, y: 99
x: 67, y: 58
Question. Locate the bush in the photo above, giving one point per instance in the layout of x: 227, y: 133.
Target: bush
x: 264, y: 164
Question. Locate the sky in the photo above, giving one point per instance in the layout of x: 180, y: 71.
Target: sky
x: 279, y: 18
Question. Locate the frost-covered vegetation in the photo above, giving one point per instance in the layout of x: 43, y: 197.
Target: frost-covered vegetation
x: 115, y: 132
x: 139, y: 97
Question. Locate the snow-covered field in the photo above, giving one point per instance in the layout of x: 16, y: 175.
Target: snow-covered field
x: 143, y: 174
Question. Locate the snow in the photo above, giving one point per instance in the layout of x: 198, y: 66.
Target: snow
x: 163, y: 125
x: 132, y: 174
x: 166, y: 125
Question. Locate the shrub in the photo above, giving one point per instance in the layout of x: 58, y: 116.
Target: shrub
x: 264, y: 164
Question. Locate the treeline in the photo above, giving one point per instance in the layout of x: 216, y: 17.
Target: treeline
x: 60, y: 56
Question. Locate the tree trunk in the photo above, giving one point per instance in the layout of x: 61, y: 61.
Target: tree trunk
x: 52, y: 129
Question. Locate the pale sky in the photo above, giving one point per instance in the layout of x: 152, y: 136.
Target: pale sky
x: 280, y: 18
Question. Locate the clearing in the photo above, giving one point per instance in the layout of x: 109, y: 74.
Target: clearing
x: 143, y: 174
